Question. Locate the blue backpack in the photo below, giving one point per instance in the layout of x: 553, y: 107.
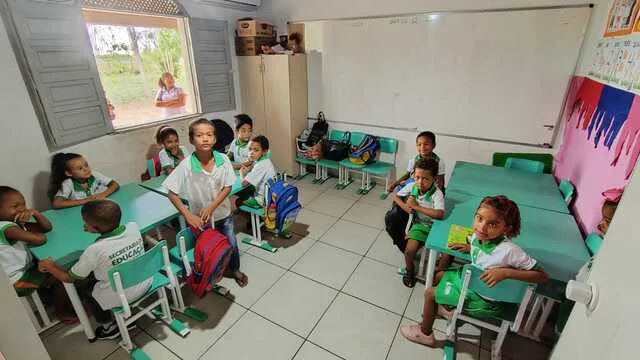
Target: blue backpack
x: 366, y: 151
x: 281, y: 205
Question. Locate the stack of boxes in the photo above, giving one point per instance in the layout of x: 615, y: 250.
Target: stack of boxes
x: 251, y: 34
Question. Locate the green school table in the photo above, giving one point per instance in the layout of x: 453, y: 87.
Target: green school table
x: 66, y: 242
x: 550, y: 237
x: 523, y: 187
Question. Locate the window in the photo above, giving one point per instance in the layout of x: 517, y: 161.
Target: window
x: 74, y: 55
x: 144, y: 66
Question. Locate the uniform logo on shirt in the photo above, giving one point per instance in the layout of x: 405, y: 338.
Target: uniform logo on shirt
x: 127, y: 253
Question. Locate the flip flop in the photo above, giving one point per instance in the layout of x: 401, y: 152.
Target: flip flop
x: 409, y: 281
x: 414, y: 334
x: 241, y: 278
x: 444, y: 312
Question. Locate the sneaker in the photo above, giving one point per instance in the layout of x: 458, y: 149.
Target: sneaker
x: 110, y: 331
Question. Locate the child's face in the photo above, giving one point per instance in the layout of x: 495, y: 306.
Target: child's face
x: 424, y: 146
x: 172, y: 144
x: 607, y: 216
x: 255, y: 151
x: 12, y: 204
x: 488, y: 225
x: 424, y: 179
x: 244, y: 132
x: 204, y: 137
x: 78, y: 168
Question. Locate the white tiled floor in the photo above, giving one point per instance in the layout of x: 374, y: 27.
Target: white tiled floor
x: 330, y: 292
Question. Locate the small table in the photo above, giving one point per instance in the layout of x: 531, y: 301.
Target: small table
x: 66, y: 242
x: 552, y: 238
x: 523, y: 187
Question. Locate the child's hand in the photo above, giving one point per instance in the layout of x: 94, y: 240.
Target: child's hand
x: 45, y: 265
x: 194, y: 221
x: 465, y: 248
x: 247, y: 163
x: 23, y: 216
x: 205, y: 214
x: 493, y: 276
x: 412, y: 203
x: 99, y: 196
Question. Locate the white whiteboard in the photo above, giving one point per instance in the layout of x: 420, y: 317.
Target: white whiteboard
x: 498, y: 75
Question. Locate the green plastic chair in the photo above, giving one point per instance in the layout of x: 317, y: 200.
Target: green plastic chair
x: 381, y: 169
x: 345, y: 166
x: 567, y: 190
x: 325, y: 164
x: 153, y: 264
x: 513, y: 294
x: 594, y: 243
x: 524, y: 164
x: 151, y: 168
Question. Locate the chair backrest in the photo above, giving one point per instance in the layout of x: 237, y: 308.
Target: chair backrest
x: 594, y: 243
x: 524, y: 164
x: 500, y: 158
x: 137, y: 270
x: 567, y: 190
x: 336, y: 134
x: 509, y: 290
x: 388, y: 145
x: 151, y: 168
x: 356, y: 138
x: 188, y: 237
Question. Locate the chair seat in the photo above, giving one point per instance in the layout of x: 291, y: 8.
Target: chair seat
x: 349, y: 165
x: 250, y: 210
x: 331, y: 164
x: 159, y: 280
x: 305, y: 161
x: 379, y: 168
x: 509, y: 312
x: 174, y: 254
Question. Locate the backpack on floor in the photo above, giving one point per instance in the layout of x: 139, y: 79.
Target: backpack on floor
x: 281, y: 205
x: 366, y: 151
x: 211, y: 258
x: 318, y: 130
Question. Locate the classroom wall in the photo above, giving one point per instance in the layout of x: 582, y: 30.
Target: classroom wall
x: 25, y: 164
x: 451, y: 149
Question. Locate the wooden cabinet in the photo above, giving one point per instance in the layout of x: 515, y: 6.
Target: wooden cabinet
x: 273, y: 89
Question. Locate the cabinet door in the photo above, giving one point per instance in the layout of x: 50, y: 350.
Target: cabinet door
x: 278, y: 111
x: 251, y: 91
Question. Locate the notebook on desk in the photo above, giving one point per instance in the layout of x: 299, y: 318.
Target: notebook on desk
x: 459, y: 235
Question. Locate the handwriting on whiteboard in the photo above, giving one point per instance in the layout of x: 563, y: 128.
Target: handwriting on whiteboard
x: 408, y: 20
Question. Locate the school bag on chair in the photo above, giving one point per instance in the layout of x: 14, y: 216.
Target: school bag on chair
x: 318, y: 130
x: 336, y: 150
x: 211, y: 258
x: 281, y: 205
x: 366, y: 151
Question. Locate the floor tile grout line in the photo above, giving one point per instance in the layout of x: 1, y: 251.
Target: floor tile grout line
x: 224, y: 332
x: 161, y: 344
x: 325, y: 349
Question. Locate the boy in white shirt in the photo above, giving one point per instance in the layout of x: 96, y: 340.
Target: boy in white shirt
x: 260, y: 172
x: 239, y: 148
x: 206, y: 177
x: 427, y: 202
x: 425, y: 143
x: 117, y: 243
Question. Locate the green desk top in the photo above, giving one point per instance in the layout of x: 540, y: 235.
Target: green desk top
x: 155, y: 185
x: 67, y: 240
x: 550, y: 237
x: 523, y: 187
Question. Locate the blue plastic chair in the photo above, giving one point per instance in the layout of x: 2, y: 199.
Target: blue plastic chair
x: 524, y: 164
x: 567, y: 190
x: 509, y: 291
x: 153, y: 264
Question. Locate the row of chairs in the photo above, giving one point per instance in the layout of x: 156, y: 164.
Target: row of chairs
x: 378, y: 169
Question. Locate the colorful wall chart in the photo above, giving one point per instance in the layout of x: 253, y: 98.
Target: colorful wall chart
x: 601, y: 144
x: 622, y: 16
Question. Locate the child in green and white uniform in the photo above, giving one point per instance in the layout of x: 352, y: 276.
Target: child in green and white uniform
x: 116, y: 244
x: 172, y: 152
x: 497, y: 219
x: 239, y: 148
x: 427, y: 202
x: 260, y: 172
x: 425, y: 143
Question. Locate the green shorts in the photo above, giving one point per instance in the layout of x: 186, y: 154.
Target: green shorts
x: 419, y: 232
x: 448, y: 293
x: 31, y: 279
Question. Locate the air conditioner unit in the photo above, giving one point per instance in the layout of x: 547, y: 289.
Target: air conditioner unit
x: 235, y: 4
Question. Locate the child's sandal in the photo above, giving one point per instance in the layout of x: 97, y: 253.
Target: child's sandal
x: 409, y: 281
